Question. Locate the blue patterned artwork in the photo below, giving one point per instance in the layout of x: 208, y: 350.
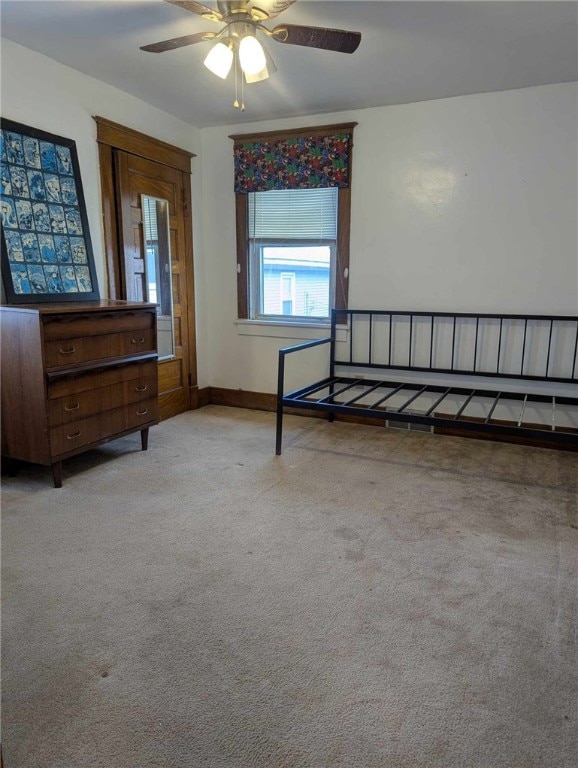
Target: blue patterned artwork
x: 46, y: 247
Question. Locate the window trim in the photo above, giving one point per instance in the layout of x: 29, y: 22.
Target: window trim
x: 341, y: 255
x: 343, y: 222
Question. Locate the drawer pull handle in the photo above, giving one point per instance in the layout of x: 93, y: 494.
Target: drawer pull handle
x: 72, y: 407
x: 142, y: 413
x: 141, y: 389
x: 74, y: 436
x: 140, y: 340
x: 70, y: 351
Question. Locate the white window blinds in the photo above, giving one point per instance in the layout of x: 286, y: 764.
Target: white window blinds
x: 149, y: 205
x: 293, y: 214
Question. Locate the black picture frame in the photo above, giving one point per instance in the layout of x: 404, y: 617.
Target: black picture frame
x: 46, y: 250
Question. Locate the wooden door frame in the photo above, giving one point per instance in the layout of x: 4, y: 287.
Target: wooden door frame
x: 111, y: 136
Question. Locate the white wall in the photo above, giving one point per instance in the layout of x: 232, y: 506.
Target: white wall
x: 465, y: 204
x: 40, y: 92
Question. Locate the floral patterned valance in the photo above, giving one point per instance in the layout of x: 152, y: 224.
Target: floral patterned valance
x: 299, y: 162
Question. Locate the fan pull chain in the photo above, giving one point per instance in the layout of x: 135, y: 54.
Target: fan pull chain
x: 236, y: 102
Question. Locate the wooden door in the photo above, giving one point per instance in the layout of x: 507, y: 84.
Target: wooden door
x: 137, y: 176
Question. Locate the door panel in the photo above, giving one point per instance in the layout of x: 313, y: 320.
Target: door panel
x: 136, y: 176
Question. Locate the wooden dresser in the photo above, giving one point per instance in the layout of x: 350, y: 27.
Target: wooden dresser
x: 75, y: 375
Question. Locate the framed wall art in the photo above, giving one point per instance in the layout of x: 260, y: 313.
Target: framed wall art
x: 46, y: 248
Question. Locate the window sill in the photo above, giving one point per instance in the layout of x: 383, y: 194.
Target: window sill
x: 286, y: 330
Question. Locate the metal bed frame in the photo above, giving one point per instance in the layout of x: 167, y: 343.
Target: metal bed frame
x: 541, y: 349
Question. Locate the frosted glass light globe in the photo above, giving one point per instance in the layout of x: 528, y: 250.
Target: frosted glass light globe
x: 219, y: 60
x: 251, y: 55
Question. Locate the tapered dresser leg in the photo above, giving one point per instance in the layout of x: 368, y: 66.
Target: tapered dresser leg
x: 57, y: 474
x: 144, y: 438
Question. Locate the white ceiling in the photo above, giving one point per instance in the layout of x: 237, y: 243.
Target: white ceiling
x: 410, y: 51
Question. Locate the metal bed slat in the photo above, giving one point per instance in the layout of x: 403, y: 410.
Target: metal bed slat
x: 311, y: 389
x: 377, y: 385
x: 339, y: 392
x: 465, y: 405
x: 492, y: 409
x: 438, y: 401
x: 383, y: 399
x: 522, y: 411
x: 411, y: 399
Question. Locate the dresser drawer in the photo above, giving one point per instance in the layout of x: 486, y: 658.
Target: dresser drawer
x: 96, y: 324
x: 92, y: 348
x: 80, y: 405
x: 78, y: 434
x: 135, y: 414
x: 87, y: 381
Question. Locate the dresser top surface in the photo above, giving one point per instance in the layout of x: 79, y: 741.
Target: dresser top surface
x: 72, y: 307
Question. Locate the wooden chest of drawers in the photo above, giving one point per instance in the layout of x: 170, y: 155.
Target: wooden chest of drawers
x: 75, y: 376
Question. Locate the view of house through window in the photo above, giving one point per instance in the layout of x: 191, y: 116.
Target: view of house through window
x: 292, y: 246
x: 296, y: 280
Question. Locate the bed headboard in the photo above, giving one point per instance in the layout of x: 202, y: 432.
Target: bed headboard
x: 539, y: 347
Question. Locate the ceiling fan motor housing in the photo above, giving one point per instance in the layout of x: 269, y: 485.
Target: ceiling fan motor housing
x: 233, y: 8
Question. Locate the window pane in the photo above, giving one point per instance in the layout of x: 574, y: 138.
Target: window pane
x: 296, y: 280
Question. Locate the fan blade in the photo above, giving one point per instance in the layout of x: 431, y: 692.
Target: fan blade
x: 198, y: 8
x: 272, y: 7
x: 178, y: 42
x: 318, y: 37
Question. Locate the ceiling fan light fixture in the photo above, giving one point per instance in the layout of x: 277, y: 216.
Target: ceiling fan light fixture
x: 219, y: 60
x: 264, y: 73
x: 252, y: 56
x: 238, y: 47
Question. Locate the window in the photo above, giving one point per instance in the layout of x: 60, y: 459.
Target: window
x: 293, y: 212
x: 292, y: 241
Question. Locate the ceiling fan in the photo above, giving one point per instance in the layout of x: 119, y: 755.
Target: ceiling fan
x: 237, y: 41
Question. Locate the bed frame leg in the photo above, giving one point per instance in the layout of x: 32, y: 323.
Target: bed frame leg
x: 279, y: 433
x: 331, y: 415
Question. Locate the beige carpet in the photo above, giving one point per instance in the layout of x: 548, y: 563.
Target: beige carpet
x: 370, y: 599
